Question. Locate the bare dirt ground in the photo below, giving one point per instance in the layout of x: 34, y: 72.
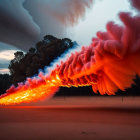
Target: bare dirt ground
x: 73, y: 118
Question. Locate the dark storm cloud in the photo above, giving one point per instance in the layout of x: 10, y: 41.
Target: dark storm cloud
x: 16, y: 25
x: 4, y: 46
x: 24, y: 22
x: 67, y: 12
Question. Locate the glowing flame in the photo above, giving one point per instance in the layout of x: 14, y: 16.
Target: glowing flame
x: 108, y: 64
x: 28, y: 94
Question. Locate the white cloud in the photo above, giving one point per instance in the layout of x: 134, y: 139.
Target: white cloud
x: 3, y: 71
x: 7, y: 55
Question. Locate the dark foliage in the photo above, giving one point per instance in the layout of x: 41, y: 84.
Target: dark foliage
x: 27, y: 65
x: 5, y: 82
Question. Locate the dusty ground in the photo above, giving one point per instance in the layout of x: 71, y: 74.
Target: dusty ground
x: 73, y: 118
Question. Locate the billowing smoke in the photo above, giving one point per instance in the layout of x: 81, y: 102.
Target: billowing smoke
x: 23, y: 22
x: 109, y: 63
x: 135, y: 4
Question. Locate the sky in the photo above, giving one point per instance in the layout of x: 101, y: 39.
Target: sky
x: 23, y: 23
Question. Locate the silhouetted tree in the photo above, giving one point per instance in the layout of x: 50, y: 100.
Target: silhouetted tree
x: 32, y: 50
x: 5, y: 82
x: 15, y: 65
x: 27, y: 65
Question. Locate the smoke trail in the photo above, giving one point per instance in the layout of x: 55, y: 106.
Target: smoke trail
x: 109, y: 63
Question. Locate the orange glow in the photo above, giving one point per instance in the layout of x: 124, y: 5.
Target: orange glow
x: 23, y: 95
x: 109, y: 63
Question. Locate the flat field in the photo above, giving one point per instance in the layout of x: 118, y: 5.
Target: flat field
x: 72, y: 118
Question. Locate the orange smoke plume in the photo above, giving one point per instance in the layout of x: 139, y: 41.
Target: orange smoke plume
x: 109, y: 63
x: 135, y: 4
